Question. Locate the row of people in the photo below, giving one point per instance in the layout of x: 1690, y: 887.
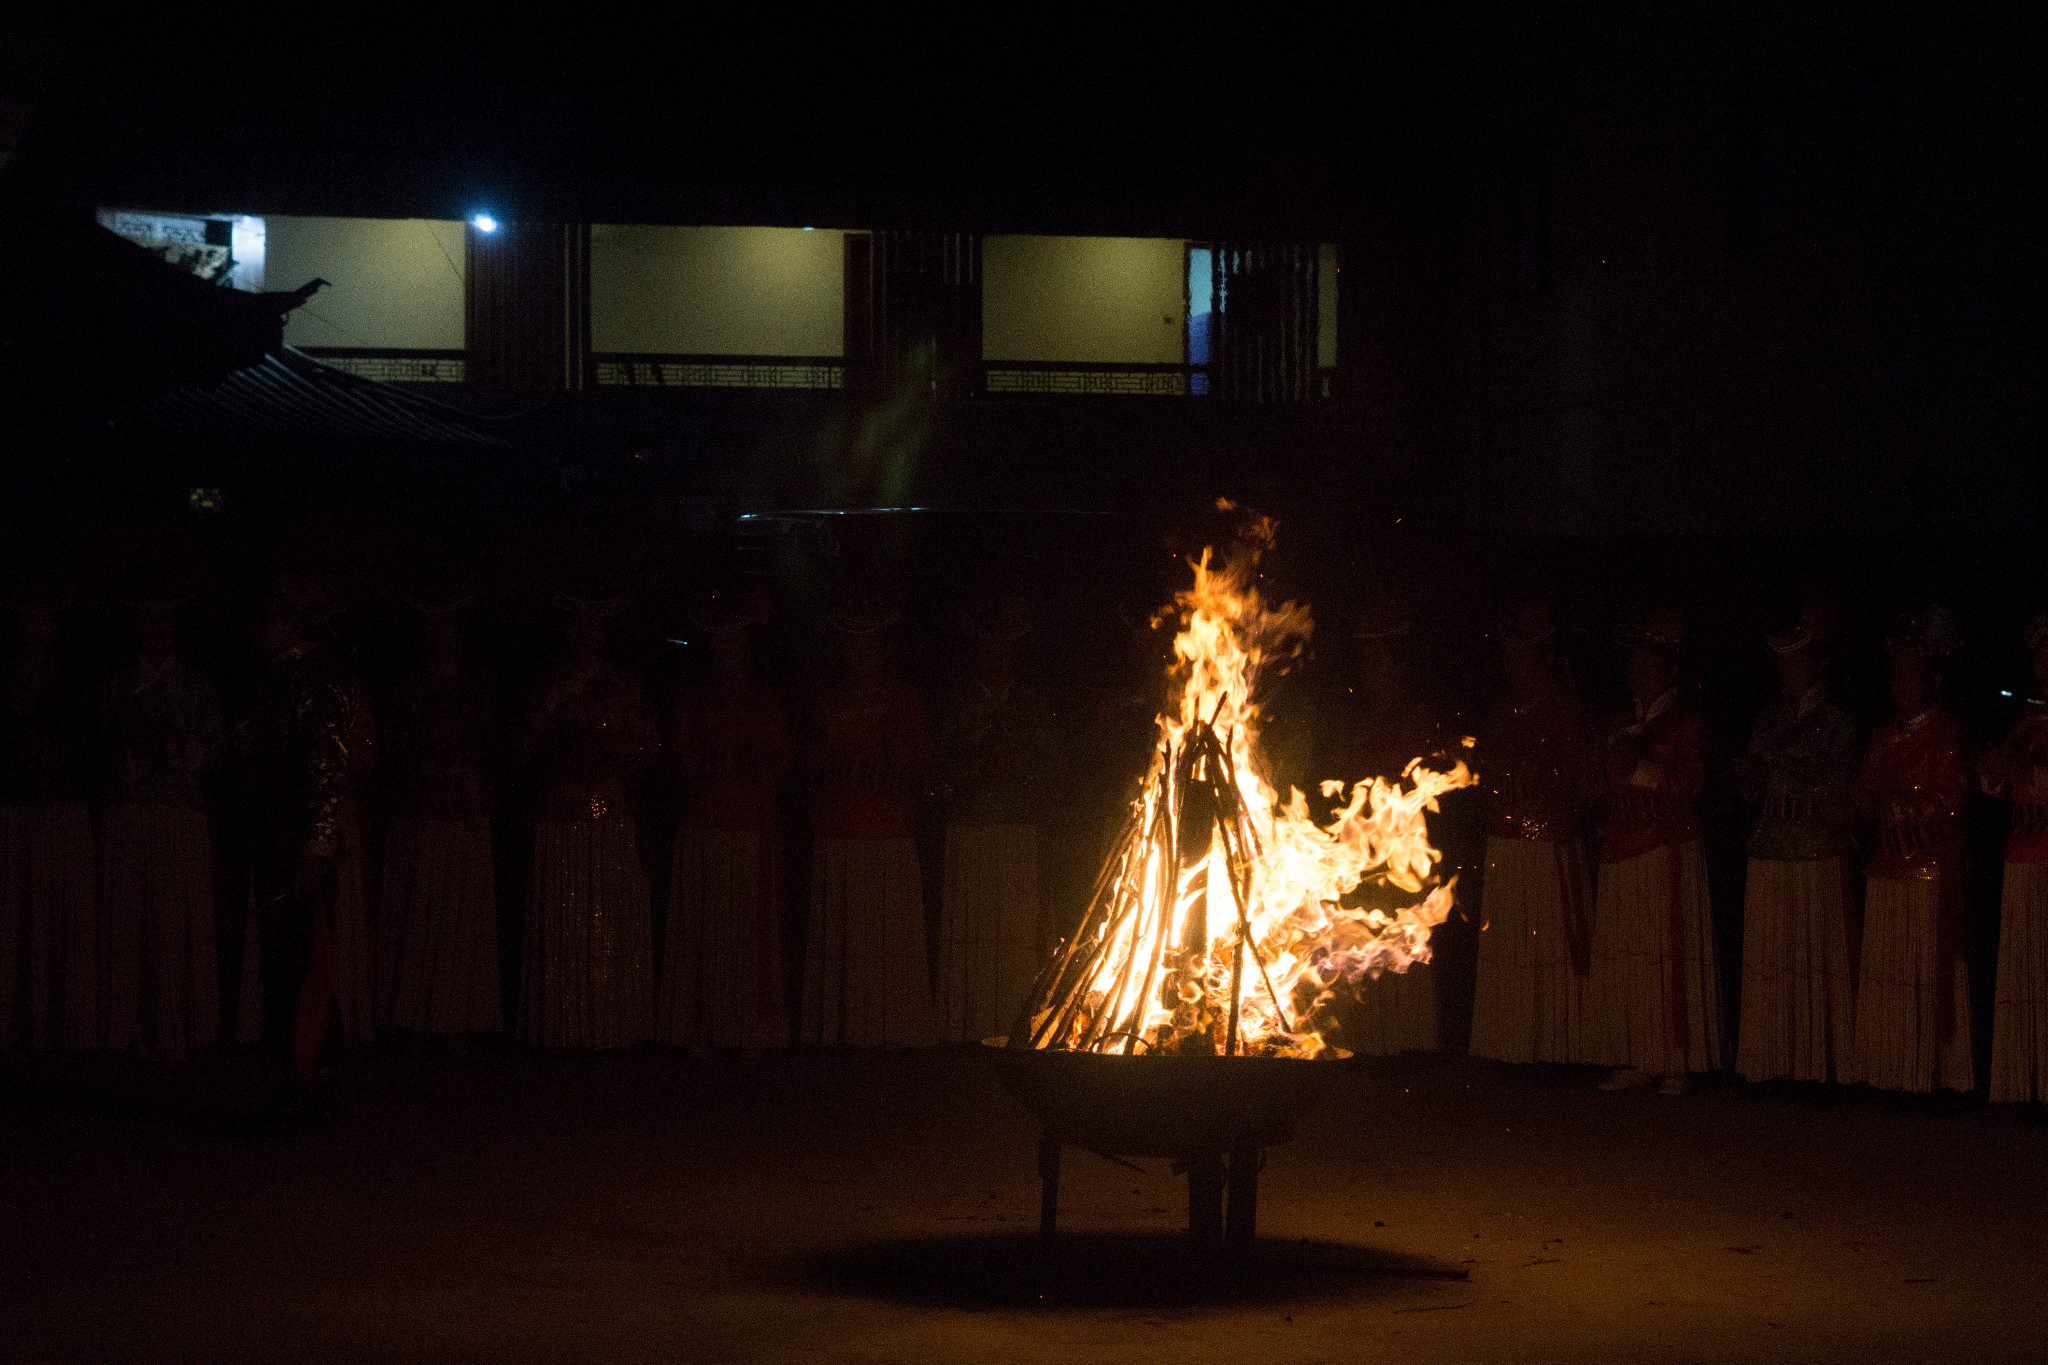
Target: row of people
x: 108, y: 935
x: 1843, y: 977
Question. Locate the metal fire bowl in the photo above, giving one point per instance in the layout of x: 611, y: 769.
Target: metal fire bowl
x: 1166, y: 1106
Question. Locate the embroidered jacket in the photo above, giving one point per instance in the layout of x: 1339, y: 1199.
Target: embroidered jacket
x: 590, y: 732
x: 1913, y: 774
x: 441, y: 732
x: 1808, y: 750
x: 162, y: 729
x: 1655, y: 771
x: 732, y: 751
x: 1537, y: 764
x: 2025, y: 755
x: 311, y: 743
x: 871, y: 752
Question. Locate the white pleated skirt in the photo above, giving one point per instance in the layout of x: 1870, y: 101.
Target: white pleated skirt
x: 587, y: 965
x: 1529, y: 1001
x: 1798, y: 984
x: 158, y: 986
x: 2019, y: 1034
x: 867, y: 977
x: 722, y: 972
x: 1905, y: 1040
x: 1654, y: 1002
x: 439, y: 922
x: 48, y: 937
x: 993, y: 929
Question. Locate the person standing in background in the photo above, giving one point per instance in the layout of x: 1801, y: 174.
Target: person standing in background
x: 307, y: 969
x: 1538, y: 765
x: 1655, y: 1004
x: 1913, y: 985
x: 48, y: 949
x: 1798, y: 975
x: 587, y: 975
x: 722, y: 979
x: 162, y: 734
x: 1384, y: 725
x: 2018, y: 771
x: 997, y: 754
x: 867, y: 971
x: 439, y: 908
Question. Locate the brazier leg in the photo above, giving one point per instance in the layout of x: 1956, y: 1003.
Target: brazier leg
x: 1048, y: 1186
x: 1205, y: 1198
x: 1243, y: 1226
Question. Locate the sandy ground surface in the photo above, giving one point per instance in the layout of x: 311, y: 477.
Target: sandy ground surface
x: 881, y: 1208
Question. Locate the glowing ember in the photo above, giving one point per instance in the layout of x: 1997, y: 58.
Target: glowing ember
x: 1226, y: 917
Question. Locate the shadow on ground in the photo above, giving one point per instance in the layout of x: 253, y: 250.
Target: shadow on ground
x: 1109, y: 1271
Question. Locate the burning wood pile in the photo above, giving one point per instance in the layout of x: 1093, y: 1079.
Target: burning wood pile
x: 1227, y: 918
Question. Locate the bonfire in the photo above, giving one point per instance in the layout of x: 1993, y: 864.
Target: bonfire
x: 1227, y: 918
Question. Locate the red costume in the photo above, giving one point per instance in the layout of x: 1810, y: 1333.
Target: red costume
x: 1394, y: 1012
x: 158, y: 952
x: 439, y: 905
x: 1537, y: 761
x: 306, y: 958
x: 1536, y: 765
x: 1655, y: 772
x: 2026, y: 753
x: 732, y: 751
x: 1655, y: 1004
x: 867, y: 973
x: 588, y: 973
x: 1535, y: 942
x: 994, y: 931
x: 722, y: 979
x: 872, y: 751
x: 1914, y: 774
x: 1912, y: 1027
x: 2019, y: 1035
x: 48, y: 953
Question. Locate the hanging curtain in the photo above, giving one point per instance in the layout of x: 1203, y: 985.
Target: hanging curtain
x: 1262, y: 329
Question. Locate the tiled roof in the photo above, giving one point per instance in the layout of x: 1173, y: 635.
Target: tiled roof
x: 289, y: 393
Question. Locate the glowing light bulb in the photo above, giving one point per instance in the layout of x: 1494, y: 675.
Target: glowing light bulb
x: 483, y: 222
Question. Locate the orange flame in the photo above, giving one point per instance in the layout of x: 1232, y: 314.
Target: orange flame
x: 1165, y: 967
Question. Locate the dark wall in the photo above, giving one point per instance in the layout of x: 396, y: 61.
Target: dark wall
x: 1738, y: 270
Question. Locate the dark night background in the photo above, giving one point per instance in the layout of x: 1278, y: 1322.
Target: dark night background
x: 1701, y: 269
x: 1697, y: 302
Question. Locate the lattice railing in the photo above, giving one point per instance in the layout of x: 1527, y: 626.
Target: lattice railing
x: 1001, y: 378
x: 622, y: 370
x: 1083, y: 378
x: 395, y: 366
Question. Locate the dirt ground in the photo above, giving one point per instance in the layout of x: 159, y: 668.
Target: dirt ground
x: 513, y: 1206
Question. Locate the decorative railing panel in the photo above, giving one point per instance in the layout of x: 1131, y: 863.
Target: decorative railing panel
x: 1000, y: 378
x: 620, y: 370
x: 1057, y: 378
x: 395, y: 366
